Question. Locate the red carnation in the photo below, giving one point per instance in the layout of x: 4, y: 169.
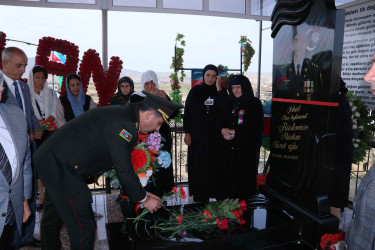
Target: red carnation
x: 207, y: 215
x: 139, y: 159
x: 222, y: 224
x: 182, y: 193
x: 179, y: 219
x: 237, y: 213
x: 243, y: 204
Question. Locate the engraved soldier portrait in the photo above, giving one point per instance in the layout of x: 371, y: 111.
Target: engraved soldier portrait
x: 302, y: 77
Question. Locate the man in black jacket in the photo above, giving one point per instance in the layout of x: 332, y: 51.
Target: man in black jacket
x: 93, y: 143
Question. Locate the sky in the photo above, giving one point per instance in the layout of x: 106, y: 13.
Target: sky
x: 142, y: 40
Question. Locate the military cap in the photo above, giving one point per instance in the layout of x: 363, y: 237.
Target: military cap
x: 166, y: 108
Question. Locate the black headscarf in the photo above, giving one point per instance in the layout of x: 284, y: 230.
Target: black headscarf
x: 127, y: 80
x: 247, y: 90
x: 209, y: 89
x: 210, y: 67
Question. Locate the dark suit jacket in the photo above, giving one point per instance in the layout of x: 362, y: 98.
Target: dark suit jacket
x: 89, y: 144
x: 32, y: 122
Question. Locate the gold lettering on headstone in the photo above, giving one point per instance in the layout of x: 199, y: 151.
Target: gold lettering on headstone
x: 294, y: 124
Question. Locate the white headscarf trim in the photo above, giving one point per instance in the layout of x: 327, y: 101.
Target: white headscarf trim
x: 46, y: 98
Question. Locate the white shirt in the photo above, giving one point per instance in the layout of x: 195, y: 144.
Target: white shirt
x: 7, y: 143
x: 12, y: 88
x: 39, y: 99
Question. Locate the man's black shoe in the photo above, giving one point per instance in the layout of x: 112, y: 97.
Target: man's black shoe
x: 34, y: 243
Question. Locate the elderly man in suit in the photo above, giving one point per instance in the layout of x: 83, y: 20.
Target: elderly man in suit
x: 361, y: 232
x: 17, y: 93
x: 15, y: 174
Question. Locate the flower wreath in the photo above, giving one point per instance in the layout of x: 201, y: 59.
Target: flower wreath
x: 247, y: 51
x: 361, y: 123
x: 140, y: 158
x: 147, y: 158
x: 70, y: 50
x: 2, y: 45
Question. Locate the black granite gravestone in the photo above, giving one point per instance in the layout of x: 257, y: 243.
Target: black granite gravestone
x: 306, y: 77
x: 293, y: 210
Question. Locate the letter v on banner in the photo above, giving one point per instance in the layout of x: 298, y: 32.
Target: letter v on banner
x: 105, y: 83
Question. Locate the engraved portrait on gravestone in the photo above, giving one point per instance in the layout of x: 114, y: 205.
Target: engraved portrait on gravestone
x: 304, y: 53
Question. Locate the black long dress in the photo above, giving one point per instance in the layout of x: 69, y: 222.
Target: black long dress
x: 201, y: 115
x: 164, y: 178
x: 239, y: 155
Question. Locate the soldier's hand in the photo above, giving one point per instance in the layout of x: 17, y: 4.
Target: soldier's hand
x: 151, y: 204
x: 153, y: 196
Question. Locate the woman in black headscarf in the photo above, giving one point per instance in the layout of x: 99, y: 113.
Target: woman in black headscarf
x: 240, y: 123
x: 202, y: 135
x: 125, y: 88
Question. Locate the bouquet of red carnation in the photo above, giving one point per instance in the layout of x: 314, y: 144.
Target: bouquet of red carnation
x: 46, y: 125
x: 329, y: 241
x: 215, y: 215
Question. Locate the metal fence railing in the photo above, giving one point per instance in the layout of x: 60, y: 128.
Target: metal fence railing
x: 179, y: 163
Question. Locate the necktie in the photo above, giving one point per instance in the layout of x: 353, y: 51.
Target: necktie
x: 7, y: 171
x: 298, y: 66
x: 18, y: 95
